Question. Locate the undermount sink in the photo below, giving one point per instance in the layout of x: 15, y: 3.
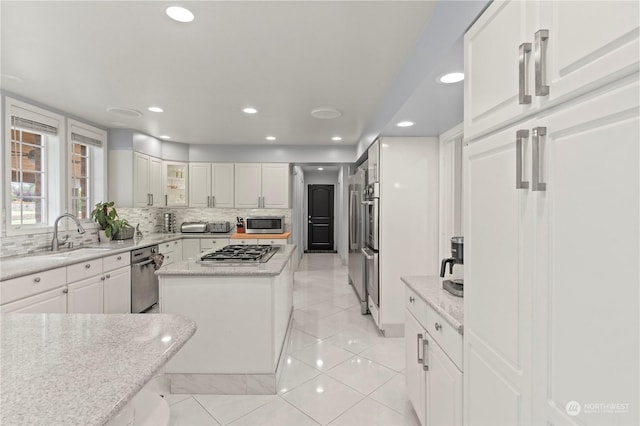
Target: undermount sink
x: 64, y: 254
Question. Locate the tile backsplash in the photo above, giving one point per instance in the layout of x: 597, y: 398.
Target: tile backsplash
x: 150, y: 220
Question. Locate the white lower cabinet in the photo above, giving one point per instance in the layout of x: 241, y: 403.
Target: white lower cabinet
x: 434, y: 381
x: 86, y: 296
x: 172, y: 252
x: 49, y: 302
x: 117, y: 291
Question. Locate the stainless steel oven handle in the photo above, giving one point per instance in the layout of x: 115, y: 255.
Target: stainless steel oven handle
x: 420, y: 360
x: 366, y: 253
x: 146, y: 262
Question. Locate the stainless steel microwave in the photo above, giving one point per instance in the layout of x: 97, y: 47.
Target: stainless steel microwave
x: 264, y: 225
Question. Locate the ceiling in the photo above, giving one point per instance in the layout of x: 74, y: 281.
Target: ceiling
x: 374, y: 61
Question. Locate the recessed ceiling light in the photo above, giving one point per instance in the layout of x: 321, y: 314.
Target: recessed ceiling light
x: 325, y: 113
x: 452, y: 77
x: 124, y: 111
x: 336, y: 138
x: 270, y: 138
x: 165, y: 137
x: 405, y: 124
x: 155, y: 109
x: 249, y: 110
x: 321, y: 168
x: 179, y: 14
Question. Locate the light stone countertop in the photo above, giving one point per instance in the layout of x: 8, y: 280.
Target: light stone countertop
x: 272, y: 267
x: 429, y: 289
x: 81, y: 369
x: 18, y: 266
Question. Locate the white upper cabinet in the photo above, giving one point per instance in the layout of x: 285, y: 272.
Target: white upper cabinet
x: 492, y: 65
x: 211, y: 185
x: 262, y: 185
x: 199, y: 184
x: 176, y: 178
x: 222, y: 185
x: 373, y: 162
x: 248, y: 185
x: 590, y: 43
x: 525, y: 55
x: 147, y: 180
x: 275, y: 186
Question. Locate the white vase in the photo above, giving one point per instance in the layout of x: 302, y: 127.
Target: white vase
x: 102, y: 236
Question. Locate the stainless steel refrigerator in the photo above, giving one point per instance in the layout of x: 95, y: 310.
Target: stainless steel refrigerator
x: 357, y: 184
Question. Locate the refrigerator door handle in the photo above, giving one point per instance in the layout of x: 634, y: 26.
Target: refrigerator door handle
x: 352, y: 221
x: 367, y: 253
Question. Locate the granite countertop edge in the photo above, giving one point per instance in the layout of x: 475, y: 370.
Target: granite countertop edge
x: 436, y: 297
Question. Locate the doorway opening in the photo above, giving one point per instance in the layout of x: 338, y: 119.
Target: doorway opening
x: 320, y: 214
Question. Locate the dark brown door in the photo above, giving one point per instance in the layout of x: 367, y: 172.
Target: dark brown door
x: 320, y: 210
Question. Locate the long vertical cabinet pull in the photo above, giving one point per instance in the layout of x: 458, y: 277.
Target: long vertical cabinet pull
x: 542, y: 36
x: 537, y: 132
x: 523, y: 98
x: 520, y: 135
x: 425, y: 365
x: 213, y: 201
x: 208, y: 200
x: 420, y: 360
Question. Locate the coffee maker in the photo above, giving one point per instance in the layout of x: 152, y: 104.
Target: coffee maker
x: 454, y: 286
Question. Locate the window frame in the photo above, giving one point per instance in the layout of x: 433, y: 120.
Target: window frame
x: 55, y: 161
x: 97, y: 180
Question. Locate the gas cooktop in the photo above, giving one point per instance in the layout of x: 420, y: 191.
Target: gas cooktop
x: 240, y: 253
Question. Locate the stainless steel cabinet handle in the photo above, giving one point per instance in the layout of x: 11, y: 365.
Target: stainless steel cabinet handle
x: 535, y: 169
x: 437, y: 326
x: 425, y: 365
x: 108, y: 276
x: 102, y: 278
x: 151, y: 199
x: 65, y: 291
x: 520, y: 135
x: 213, y: 201
x: 88, y: 265
x: 208, y: 201
x: 542, y: 36
x: 36, y: 279
x: 420, y: 360
x: 523, y: 98
x: 119, y: 257
x: 411, y: 299
x: 166, y: 200
x: 258, y: 202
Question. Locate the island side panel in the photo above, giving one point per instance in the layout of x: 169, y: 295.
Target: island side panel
x: 282, y: 307
x: 233, y: 315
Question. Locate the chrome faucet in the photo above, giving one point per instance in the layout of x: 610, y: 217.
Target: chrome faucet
x: 55, y: 244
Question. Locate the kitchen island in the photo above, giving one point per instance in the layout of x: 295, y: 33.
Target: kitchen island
x: 68, y: 369
x: 242, y: 312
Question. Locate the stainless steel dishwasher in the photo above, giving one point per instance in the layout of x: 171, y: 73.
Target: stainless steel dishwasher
x: 144, y: 282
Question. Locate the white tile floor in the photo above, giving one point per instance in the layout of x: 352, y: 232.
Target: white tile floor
x: 338, y: 369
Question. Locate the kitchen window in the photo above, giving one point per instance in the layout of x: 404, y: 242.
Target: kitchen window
x: 87, y: 145
x: 33, y: 162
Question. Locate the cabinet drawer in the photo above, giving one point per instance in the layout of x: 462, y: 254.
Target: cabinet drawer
x: 445, y: 335
x: 245, y: 241
x: 84, y: 270
x: 273, y: 242
x: 416, y: 306
x: 167, y: 247
x: 29, y: 285
x: 206, y: 244
x: 109, y: 263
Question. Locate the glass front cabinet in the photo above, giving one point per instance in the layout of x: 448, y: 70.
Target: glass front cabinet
x: 176, y: 176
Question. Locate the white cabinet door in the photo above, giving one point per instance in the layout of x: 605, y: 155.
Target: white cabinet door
x: 275, y: 186
x: 156, y: 182
x: 175, y: 178
x: 199, y: 184
x: 141, y: 166
x: 443, y: 388
x: 491, y: 62
x: 87, y: 296
x: 49, y: 302
x: 589, y: 42
x: 414, y: 335
x: 222, y: 185
x: 586, y: 291
x: 498, y: 222
x: 190, y: 248
x: 248, y: 185
x: 117, y: 291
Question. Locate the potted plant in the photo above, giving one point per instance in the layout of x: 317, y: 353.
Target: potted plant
x: 106, y: 216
